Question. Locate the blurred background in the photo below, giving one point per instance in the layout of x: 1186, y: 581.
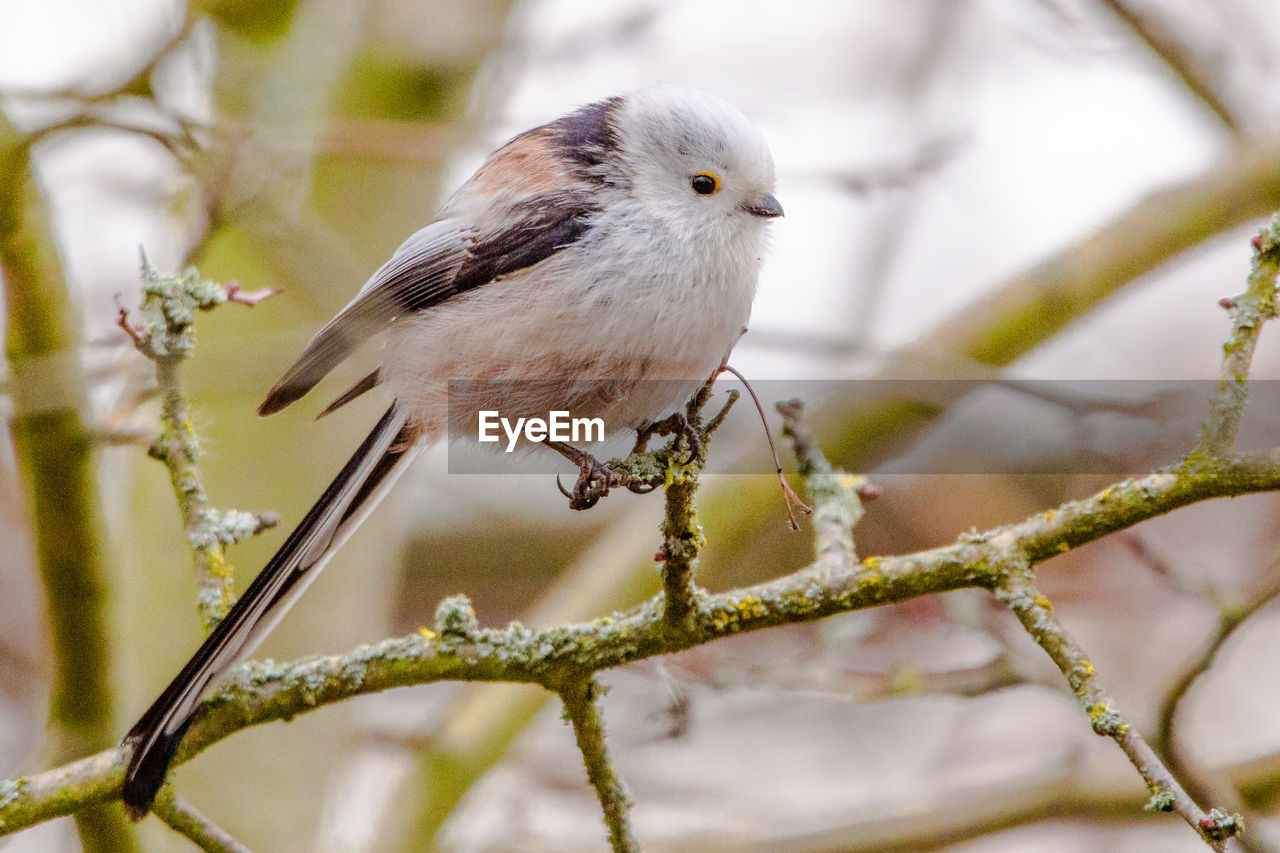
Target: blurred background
x: 1046, y: 190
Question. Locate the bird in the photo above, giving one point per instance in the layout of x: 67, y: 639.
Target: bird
x: 604, y: 264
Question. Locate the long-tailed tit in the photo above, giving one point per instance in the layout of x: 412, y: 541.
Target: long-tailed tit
x: 616, y: 245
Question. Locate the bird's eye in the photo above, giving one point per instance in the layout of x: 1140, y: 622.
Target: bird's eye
x: 705, y: 183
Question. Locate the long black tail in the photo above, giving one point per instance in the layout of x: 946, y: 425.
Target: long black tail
x: 344, y: 504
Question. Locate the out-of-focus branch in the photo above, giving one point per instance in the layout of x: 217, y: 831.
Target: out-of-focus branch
x: 53, y: 445
x: 1181, y: 60
x: 1034, y: 305
x: 1231, y: 618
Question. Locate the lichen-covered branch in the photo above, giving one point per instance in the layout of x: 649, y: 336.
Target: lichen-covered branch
x: 682, y: 536
x: 835, y: 494
x: 582, y: 712
x: 1036, y: 615
x: 167, y: 336
x: 1206, y: 783
x: 676, y: 469
x: 458, y: 649
x: 1248, y: 313
x: 54, y: 449
x: 559, y: 659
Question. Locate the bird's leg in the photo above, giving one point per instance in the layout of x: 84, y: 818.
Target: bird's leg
x: 594, y: 478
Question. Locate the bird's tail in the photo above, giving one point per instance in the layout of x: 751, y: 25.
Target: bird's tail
x: 344, y: 504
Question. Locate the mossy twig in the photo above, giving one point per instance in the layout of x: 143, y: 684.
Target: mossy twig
x: 166, y: 335
x: 184, y: 819
x: 837, y: 506
x: 1035, y: 612
x: 1248, y: 312
x: 583, y: 713
x: 682, y: 536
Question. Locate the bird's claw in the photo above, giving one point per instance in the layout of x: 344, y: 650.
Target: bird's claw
x: 594, y: 482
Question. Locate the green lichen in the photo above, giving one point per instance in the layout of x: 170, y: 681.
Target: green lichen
x: 1161, y: 800
x: 1217, y: 825
x: 10, y: 790
x: 1106, y: 720
x: 456, y: 618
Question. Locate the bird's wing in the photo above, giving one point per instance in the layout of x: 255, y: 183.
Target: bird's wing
x: 426, y: 264
x: 440, y: 261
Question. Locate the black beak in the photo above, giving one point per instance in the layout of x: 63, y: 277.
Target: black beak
x: 765, y: 206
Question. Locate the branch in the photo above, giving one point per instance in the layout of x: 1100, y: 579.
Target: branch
x: 682, y: 536
x: 459, y: 650
x: 1206, y: 783
x: 581, y: 710
x: 1032, y: 306
x: 1181, y: 61
x: 167, y: 337
x: 1248, y: 312
x: 184, y: 819
x: 837, y: 507
x: 1036, y: 615
x: 54, y: 449
x: 478, y: 724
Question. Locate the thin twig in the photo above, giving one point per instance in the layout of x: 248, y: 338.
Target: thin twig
x: 1181, y: 60
x: 1249, y: 312
x: 1207, y: 783
x: 837, y: 507
x: 1229, y: 619
x: 184, y: 819
x: 167, y: 337
x: 682, y: 537
x: 1036, y: 615
x: 581, y: 710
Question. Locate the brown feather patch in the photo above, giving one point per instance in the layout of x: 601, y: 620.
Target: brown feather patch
x: 528, y: 164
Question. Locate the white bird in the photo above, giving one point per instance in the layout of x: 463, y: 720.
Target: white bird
x: 603, y: 264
